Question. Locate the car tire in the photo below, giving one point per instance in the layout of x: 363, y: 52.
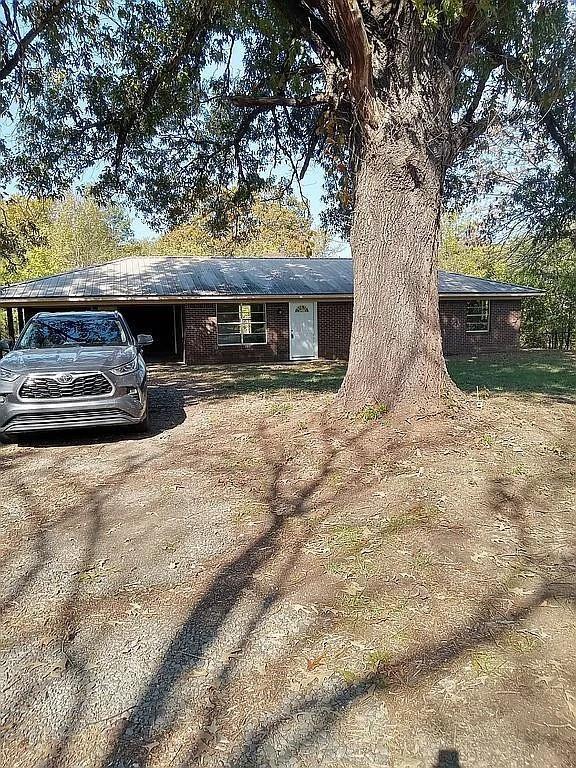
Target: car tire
x: 143, y: 426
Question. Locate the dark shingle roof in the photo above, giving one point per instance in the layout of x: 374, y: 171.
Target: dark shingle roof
x: 139, y: 278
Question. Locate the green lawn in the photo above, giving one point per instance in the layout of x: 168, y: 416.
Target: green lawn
x: 545, y: 373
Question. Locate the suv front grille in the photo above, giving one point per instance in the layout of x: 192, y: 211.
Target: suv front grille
x: 49, y: 388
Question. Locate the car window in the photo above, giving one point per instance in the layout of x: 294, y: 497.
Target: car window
x: 72, y: 331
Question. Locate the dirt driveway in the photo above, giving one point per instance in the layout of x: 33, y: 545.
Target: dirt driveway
x: 258, y: 583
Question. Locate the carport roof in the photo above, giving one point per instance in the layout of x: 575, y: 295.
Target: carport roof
x: 177, y: 278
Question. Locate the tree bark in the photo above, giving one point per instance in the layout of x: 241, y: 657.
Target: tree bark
x: 396, y: 356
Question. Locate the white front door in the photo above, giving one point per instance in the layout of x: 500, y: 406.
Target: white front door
x: 303, y: 330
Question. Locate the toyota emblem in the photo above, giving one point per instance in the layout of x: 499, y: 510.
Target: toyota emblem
x: 64, y: 378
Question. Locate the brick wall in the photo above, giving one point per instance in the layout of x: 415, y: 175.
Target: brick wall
x: 504, y: 331
x: 201, y: 339
x: 334, y: 329
x: 335, y: 325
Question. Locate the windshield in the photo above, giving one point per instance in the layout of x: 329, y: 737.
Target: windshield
x: 73, y: 331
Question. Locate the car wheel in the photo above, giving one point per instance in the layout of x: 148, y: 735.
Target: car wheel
x: 143, y: 426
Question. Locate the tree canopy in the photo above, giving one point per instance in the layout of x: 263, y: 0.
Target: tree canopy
x: 265, y: 227
x: 176, y: 101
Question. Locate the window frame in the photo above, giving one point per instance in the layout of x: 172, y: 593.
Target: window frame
x: 478, y: 315
x: 227, y: 307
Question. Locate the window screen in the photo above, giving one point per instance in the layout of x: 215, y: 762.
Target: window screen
x: 478, y: 316
x: 241, y: 324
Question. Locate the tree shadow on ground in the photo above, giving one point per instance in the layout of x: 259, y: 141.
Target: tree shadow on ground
x: 153, y: 720
x: 221, y: 596
x: 295, y: 508
x: 60, y: 626
x: 494, y: 617
x: 448, y: 758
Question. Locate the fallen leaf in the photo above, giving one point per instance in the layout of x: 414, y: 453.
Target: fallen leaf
x: 315, y: 662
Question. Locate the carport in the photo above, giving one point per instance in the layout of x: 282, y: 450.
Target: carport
x: 164, y: 322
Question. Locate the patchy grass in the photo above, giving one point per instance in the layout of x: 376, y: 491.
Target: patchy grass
x: 373, y: 412
x: 546, y: 373
x: 346, y: 538
x: 269, y: 379
x: 376, y: 659
x: 488, y: 663
x: 530, y: 372
x: 417, y: 517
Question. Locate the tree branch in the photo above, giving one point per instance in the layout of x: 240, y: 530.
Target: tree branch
x: 158, y: 78
x: 468, y: 129
x: 239, y: 137
x: 478, y: 94
x: 269, y: 102
x: 339, y: 24
x: 361, y: 83
x: 315, y: 24
x: 465, y: 31
x: 517, y: 67
x: 11, y: 62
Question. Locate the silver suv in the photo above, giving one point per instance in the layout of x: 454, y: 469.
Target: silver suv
x: 73, y: 369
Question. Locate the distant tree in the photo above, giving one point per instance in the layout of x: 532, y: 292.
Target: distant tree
x: 260, y: 227
x: 82, y: 233
x: 45, y: 237
x: 23, y: 226
x: 465, y: 249
x: 549, y: 321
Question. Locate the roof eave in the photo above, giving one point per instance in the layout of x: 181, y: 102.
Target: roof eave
x: 186, y: 299
x: 497, y: 295
x: 168, y: 299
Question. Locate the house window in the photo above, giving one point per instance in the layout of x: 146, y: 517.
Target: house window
x: 241, y: 324
x: 478, y: 316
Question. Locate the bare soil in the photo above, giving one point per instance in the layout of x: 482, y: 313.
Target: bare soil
x: 260, y: 583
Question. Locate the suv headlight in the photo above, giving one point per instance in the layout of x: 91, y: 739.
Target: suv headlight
x: 7, y: 375
x: 130, y: 367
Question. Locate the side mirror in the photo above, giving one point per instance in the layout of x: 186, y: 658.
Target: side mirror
x: 5, y: 345
x: 144, y: 340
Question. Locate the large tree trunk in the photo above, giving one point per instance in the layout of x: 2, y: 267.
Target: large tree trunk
x: 396, y: 356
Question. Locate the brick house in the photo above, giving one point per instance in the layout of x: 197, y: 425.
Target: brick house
x: 257, y: 310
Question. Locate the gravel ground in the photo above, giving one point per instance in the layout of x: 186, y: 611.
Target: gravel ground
x: 214, y: 593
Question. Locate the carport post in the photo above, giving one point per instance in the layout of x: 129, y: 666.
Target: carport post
x: 10, y: 319
x: 21, y: 320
